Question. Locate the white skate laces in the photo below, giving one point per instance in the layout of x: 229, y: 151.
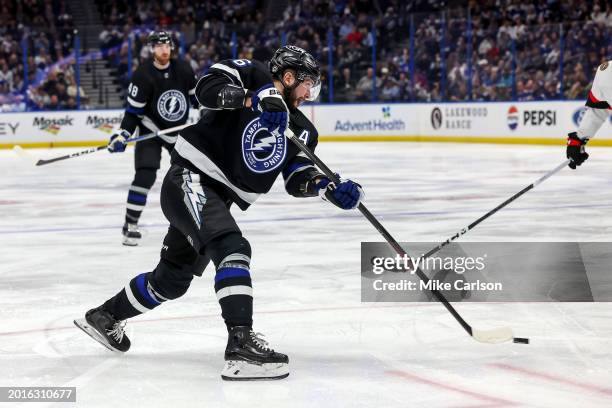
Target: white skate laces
x: 117, y: 331
x: 259, y: 341
x: 132, y: 228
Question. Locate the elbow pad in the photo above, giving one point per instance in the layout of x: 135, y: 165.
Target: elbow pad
x: 231, y: 97
x: 303, y: 184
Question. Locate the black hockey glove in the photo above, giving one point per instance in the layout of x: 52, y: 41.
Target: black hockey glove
x: 274, y: 112
x: 117, y: 142
x: 575, y: 150
x: 346, y: 195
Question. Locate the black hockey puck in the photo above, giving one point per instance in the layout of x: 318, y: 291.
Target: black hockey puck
x: 521, y: 340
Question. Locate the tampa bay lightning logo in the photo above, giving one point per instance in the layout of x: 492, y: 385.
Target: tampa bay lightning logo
x: 262, y: 152
x: 172, y: 105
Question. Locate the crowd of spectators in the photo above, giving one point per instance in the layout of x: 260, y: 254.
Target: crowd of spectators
x: 483, y: 51
x: 44, y: 29
x: 515, y: 53
x: 517, y: 49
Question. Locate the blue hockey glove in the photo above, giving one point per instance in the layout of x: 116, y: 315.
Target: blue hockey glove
x: 117, y: 143
x: 274, y: 113
x: 346, y: 195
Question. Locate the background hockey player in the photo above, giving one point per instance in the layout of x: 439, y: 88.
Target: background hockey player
x: 598, y: 107
x: 158, y: 98
x: 228, y: 157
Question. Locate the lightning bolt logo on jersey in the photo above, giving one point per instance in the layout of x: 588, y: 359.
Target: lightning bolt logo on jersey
x: 262, y: 152
x: 194, y: 196
x: 172, y: 105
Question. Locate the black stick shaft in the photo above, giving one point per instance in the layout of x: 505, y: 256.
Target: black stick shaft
x: 151, y: 135
x: 496, y: 209
x: 42, y: 162
x: 382, y: 230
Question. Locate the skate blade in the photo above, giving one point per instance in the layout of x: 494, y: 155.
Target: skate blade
x: 91, y: 332
x: 130, y: 241
x: 237, y: 370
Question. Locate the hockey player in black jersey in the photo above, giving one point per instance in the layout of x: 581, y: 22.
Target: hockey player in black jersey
x: 158, y: 98
x: 232, y: 155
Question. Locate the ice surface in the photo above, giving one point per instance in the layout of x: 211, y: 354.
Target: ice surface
x: 61, y: 254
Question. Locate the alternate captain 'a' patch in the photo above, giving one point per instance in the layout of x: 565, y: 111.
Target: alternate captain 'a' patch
x: 262, y: 151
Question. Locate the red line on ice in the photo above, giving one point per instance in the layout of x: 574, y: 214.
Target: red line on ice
x: 494, y: 401
x: 554, y: 378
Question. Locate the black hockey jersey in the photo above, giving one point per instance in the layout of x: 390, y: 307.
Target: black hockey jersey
x: 231, y: 149
x: 158, y: 99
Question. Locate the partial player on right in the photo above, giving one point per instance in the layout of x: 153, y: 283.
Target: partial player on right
x: 599, y: 104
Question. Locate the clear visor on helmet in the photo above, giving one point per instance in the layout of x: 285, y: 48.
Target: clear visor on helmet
x: 162, y: 43
x: 313, y: 86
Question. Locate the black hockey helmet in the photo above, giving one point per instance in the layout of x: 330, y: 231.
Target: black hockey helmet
x: 299, y: 60
x: 160, y: 37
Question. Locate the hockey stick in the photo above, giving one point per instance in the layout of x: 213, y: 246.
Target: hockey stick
x: 496, y: 209
x: 499, y: 335
x: 147, y: 136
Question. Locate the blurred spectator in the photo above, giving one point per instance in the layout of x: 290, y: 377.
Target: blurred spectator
x: 390, y: 91
x: 364, y: 88
x: 345, y: 87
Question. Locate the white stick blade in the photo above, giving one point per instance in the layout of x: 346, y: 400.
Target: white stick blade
x: 493, y: 336
x: 23, y: 155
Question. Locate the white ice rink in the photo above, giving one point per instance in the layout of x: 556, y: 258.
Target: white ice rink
x: 61, y: 255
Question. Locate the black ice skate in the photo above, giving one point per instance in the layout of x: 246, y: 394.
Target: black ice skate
x: 101, y: 326
x: 248, y: 357
x: 131, y: 234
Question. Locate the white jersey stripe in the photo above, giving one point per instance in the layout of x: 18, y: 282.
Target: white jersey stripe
x: 134, y: 302
x: 135, y: 207
x: 135, y: 103
x: 148, y: 123
x: 236, y: 257
x: 233, y: 72
x: 234, y: 290
x: 140, y: 190
x: 306, y: 166
x: 186, y: 150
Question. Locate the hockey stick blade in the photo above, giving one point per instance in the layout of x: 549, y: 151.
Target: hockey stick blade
x: 493, y: 336
x: 23, y: 155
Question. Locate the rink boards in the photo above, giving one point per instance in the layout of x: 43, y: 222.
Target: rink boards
x: 493, y: 122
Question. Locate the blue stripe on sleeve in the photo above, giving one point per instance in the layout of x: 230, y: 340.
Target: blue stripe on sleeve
x: 135, y: 111
x: 140, y: 284
x: 224, y: 273
x: 137, y: 198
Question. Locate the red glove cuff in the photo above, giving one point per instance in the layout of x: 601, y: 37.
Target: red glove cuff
x: 574, y: 140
